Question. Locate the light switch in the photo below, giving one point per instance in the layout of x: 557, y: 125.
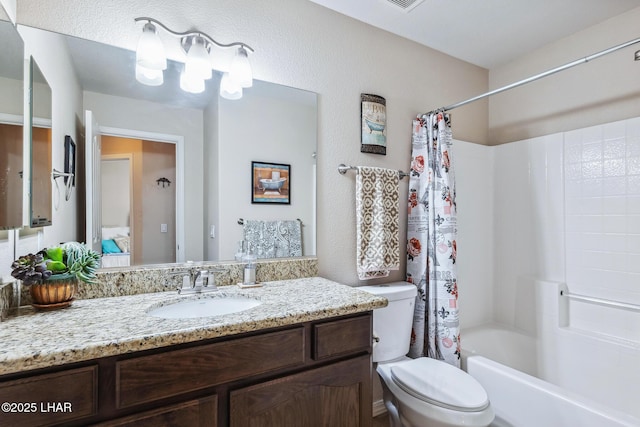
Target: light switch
x: 212, y: 232
x: 164, y: 228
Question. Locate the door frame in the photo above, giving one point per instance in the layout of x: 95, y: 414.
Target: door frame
x: 178, y: 140
x: 129, y: 158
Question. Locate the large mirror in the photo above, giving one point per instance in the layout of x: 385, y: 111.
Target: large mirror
x: 175, y: 171
x: 11, y: 126
x: 41, y: 149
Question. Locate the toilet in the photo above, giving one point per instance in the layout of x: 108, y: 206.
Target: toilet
x: 420, y: 392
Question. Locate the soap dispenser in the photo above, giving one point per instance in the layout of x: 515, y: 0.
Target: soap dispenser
x: 249, y: 260
x: 241, y: 251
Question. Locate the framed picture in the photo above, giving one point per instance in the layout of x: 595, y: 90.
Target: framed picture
x: 70, y: 159
x: 270, y: 183
x: 373, y: 112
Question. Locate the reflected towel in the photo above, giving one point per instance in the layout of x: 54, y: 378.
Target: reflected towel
x: 377, y: 197
x: 274, y: 239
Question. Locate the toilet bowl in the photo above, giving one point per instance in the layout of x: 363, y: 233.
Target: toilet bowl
x: 429, y: 392
x: 420, y: 392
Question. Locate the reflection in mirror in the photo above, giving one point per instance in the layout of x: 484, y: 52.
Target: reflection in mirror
x: 41, y: 150
x: 137, y: 177
x: 214, y: 141
x: 11, y: 126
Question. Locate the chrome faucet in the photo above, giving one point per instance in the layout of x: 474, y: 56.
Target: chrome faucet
x: 194, y: 275
x: 207, y: 281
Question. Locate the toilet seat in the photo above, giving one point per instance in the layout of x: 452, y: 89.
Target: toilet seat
x: 440, y: 384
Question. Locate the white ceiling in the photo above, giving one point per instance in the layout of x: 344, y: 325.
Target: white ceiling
x: 487, y: 33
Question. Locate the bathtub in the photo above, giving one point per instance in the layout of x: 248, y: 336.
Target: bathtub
x: 504, y: 361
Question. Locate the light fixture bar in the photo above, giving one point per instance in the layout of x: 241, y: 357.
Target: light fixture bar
x: 194, y: 33
x: 198, y: 61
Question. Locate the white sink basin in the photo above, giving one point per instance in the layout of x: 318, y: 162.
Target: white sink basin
x: 205, y: 307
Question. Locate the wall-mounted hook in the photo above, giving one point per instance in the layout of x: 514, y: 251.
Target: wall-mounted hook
x: 164, y: 181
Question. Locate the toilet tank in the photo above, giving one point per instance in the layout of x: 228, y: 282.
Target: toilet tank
x: 392, y: 324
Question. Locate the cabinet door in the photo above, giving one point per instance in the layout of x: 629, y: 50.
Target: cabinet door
x: 194, y: 413
x: 50, y: 399
x: 337, y: 395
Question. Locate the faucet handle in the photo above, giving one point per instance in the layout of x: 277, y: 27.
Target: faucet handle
x: 209, y: 279
x: 204, y: 277
x: 172, y: 274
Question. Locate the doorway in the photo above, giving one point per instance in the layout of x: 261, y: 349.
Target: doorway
x: 138, y: 198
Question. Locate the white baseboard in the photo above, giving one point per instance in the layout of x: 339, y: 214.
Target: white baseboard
x: 379, y: 408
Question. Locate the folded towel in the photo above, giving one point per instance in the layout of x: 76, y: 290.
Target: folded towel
x: 377, y: 198
x: 274, y: 239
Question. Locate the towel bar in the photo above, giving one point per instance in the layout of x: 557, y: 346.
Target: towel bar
x: 601, y: 301
x: 241, y: 221
x: 342, y: 168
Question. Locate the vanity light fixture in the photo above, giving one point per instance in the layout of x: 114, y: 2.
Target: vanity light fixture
x: 229, y: 88
x: 148, y: 76
x: 151, y: 60
x: 241, y: 68
x: 150, y: 53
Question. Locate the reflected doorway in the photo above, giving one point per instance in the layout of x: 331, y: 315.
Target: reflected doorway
x: 138, y: 195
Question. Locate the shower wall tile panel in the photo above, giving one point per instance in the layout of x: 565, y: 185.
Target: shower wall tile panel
x: 474, y: 196
x: 529, y: 224
x: 602, y: 206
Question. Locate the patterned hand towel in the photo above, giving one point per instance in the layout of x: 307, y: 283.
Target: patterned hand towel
x: 274, y: 239
x: 377, y: 197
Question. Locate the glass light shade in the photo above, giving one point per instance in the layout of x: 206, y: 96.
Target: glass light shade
x: 150, y: 52
x: 198, y: 62
x: 240, y: 70
x: 190, y: 83
x: 148, y: 76
x: 229, y: 89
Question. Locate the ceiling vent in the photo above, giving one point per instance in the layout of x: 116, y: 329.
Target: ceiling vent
x: 405, y: 5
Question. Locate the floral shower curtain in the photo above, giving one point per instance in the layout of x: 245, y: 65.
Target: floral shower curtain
x: 431, y: 241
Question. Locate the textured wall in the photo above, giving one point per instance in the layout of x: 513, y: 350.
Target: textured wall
x: 304, y: 45
x: 604, y: 90
x: 8, y: 10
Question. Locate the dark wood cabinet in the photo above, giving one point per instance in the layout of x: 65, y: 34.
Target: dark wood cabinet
x: 50, y: 399
x: 181, y: 371
x: 337, y: 395
x: 194, y: 413
x: 310, y: 374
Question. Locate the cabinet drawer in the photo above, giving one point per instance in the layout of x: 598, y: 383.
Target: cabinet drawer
x: 148, y: 378
x: 194, y: 413
x: 50, y: 399
x: 342, y: 337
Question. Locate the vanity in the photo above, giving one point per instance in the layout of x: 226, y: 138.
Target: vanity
x: 300, y: 358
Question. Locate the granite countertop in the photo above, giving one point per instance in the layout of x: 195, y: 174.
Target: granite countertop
x: 103, y: 327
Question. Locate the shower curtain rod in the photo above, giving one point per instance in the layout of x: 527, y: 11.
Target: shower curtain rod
x: 538, y: 76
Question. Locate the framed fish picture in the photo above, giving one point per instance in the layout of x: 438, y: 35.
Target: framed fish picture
x: 374, y: 124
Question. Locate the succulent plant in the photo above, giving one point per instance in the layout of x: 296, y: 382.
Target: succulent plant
x: 70, y: 257
x: 81, y: 261
x: 31, y: 268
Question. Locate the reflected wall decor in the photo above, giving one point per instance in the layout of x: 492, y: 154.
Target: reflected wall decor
x: 373, y: 124
x: 270, y: 183
x: 70, y: 159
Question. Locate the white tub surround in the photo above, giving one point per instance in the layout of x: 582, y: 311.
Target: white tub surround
x: 590, y: 376
x: 565, y: 208
x: 521, y: 400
